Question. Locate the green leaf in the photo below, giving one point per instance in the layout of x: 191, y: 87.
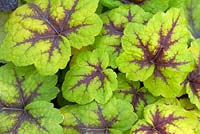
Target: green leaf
x: 115, y: 117
x: 192, y: 82
x: 114, y: 22
x: 90, y: 79
x: 157, y: 53
x: 42, y: 32
x: 23, y: 93
x: 165, y: 119
x: 192, y: 11
x: 152, y: 6
x: 3, y: 19
x: 131, y: 92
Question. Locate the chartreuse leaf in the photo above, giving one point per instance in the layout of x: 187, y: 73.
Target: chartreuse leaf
x: 42, y: 31
x: 24, y: 102
x: 3, y: 19
x: 192, y: 82
x: 165, y: 119
x: 114, y: 22
x: 90, y: 79
x: 131, y: 92
x: 115, y: 117
x: 192, y: 12
x: 157, y: 53
x: 152, y: 6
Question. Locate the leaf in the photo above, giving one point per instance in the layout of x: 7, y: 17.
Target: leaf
x: 115, y: 117
x: 131, y: 92
x: 157, y: 53
x: 44, y: 33
x: 23, y: 101
x: 163, y: 119
x: 152, y: 6
x: 192, y: 11
x: 114, y: 22
x: 8, y: 5
x: 192, y: 81
x: 90, y: 79
x: 3, y: 19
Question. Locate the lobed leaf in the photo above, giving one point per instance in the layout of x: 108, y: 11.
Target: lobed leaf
x: 157, y: 53
x: 24, y: 102
x: 44, y: 33
x: 114, y: 22
x: 90, y: 79
x: 165, y: 119
x: 130, y: 91
x: 115, y: 117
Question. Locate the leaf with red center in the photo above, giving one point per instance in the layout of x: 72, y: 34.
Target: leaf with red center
x: 23, y: 94
x: 131, y: 92
x: 114, y: 117
x: 43, y: 34
x: 165, y: 119
x: 192, y: 81
x: 113, y: 28
x: 89, y: 79
x: 157, y: 53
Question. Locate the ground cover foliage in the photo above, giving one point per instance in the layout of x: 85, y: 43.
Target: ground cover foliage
x: 99, y: 67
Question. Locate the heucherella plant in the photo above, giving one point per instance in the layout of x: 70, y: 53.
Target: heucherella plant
x: 90, y: 79
x: 24, y: 102
x: 157, y: 53
x: 192, y: 82
x: 131, y: 92
x: 45, y: 33
x: 115, y: 117
x: 165, y: 119
x: 99, y: 67
x: 114, y: 22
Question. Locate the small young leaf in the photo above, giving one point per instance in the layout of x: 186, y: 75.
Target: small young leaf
x: 131, y: 92
x: 41, y: 32
x: 23, y: 93
x: 90, y: 79
x: 157, y: 53
x: 115, y: 117
x: 114, y: 23
x: 163, y: 119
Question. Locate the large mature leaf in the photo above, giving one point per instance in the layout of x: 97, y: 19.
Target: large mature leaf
x: 192, y: 13
x: 157, y: 53
x: 192, y: 82
x: 90, y: 79
x: 3, y: 19
x: 165, y: 119
x: 131, y: 92
x: 114, y: 22
x: 152, y: 6
x: 115, y: 117
x: 23, y: 109
x: 42, y: 32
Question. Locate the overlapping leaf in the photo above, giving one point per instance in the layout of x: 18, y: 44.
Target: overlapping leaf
x: 192, y: 82
x: 152, y: 6
x: 115, y: 117
x: 44, y: 33
x: 90, y: 79
x: 131, y: 92
x: 157, y: 53
x: 165, y: 119
x: 192, y: 12
x: 24, y: 106
x: 114, y: 23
